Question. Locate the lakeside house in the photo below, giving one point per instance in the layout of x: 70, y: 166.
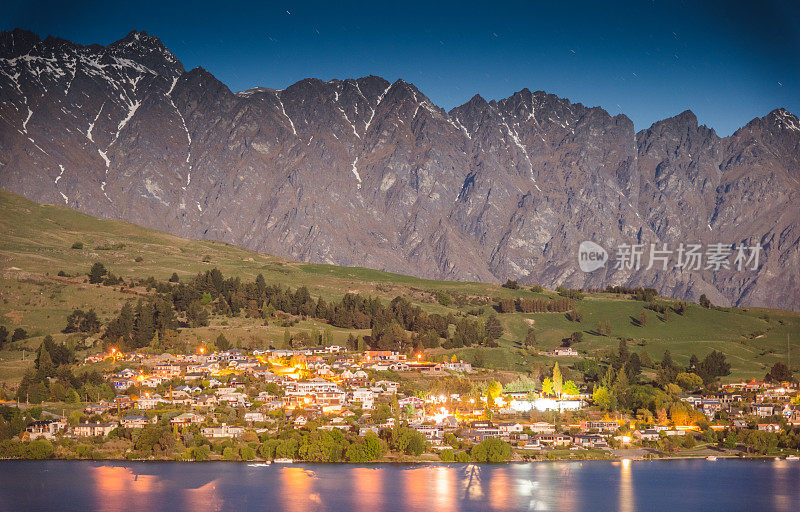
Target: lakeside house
x: 222, y: 431
x: 541, y: 427
x: 589, y: 441
x: 186, y: 419
x: 137, y: 421
x: 600, y: 425
x: 45, y: 429
x: 554, y: 439
x: 94, y: 429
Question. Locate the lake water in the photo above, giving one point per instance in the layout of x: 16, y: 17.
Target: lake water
x: 677, y: 485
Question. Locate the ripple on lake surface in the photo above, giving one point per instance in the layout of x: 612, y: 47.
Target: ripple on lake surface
x: 724, y: 485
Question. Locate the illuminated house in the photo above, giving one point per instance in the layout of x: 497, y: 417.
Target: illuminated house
x: 46, y: 429
x: 589, y: 441
x: 186, y: 419
x: 458, y: 366
x: 168, y: 370
x: 601, y: 425
x: 541, y: 427
x: 254, y: 416
x: 137, y: 421
x: 93, y: 429
x: 555, y: 439
x: 148, y: 402
x: 315, y: 385
x: 221, y: 431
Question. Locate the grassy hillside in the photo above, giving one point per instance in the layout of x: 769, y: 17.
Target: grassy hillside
x: 36, y: 243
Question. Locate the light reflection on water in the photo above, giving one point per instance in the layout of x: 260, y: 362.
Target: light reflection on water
x: 119, y: 487
x: 781, y: 484
x: 367, y: 489
x: 296, y: 487
x: 626, y: 497
x: 626, y: 486
x: 203, y: 498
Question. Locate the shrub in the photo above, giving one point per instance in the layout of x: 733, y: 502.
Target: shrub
x: 491, y: 450
x: 77, y: 245
x: 39, y: 449
x: 247, y: 453
x: 10, y: 449
x: 410, y: 442
x: 462, y: 457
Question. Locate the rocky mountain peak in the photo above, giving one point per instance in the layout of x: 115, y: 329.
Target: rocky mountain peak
x: 361, y: 172
x: 680, y: 134
x: 17, y: 42
x: 149, y: 51
x: 784, y: 120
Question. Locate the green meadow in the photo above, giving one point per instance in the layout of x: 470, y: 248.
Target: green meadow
x: 36, y: 243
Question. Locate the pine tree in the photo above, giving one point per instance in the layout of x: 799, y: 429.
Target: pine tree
x: 145, y: 327
x: 261, y: 286
x: 667, y: 371
x: 44, y: 363
x: 530, y: 338
x: 622, y: 354
x: 122, y: 326
x: 97, y: 272
x: 197, y: 314
x: 164, y: 316
x: 126, y: 319
x: 493, y: 327
x: 222, y: 343
x: 621, y: 387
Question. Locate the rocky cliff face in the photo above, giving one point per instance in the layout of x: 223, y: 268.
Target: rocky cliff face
x: 371, y: 173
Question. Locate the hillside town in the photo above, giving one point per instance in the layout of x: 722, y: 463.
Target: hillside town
x: 248, y: 406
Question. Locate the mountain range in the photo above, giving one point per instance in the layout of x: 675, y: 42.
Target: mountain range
x: 364, y: 172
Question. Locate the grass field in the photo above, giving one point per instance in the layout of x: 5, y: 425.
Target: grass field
x: 36, y: 243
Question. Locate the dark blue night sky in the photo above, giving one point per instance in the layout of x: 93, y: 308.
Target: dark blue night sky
x: 728, y: 61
